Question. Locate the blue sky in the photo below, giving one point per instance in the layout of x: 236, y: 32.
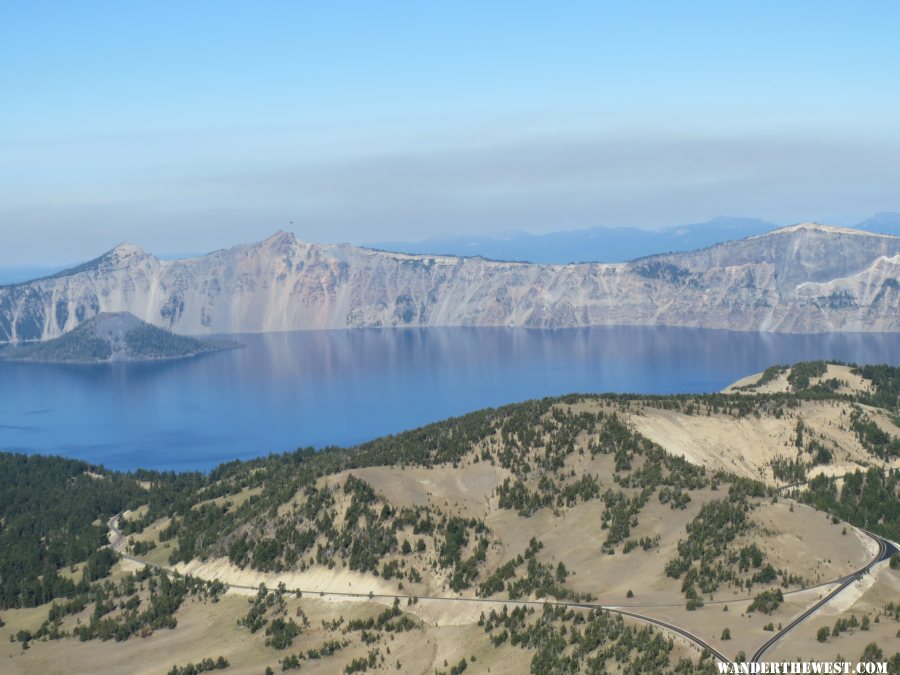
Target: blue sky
x: 192, y: 126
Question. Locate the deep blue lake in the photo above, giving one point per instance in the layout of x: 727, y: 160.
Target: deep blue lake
x: 288, y: 390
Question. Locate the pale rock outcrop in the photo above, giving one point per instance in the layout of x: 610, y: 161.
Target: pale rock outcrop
x: 806, y: 278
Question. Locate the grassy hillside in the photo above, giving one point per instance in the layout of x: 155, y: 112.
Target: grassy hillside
x: 351, y: 559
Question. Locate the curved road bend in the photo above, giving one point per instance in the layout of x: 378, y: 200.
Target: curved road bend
x: 885, y: 550
x: 703, y: 646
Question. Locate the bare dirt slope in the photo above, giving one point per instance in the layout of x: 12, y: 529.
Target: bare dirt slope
x: 747, y: 446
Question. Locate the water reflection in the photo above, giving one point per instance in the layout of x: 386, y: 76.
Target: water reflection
x: 285, y: 390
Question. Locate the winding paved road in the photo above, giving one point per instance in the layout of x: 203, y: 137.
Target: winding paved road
x: 886, y: 549
x: 699, y: 642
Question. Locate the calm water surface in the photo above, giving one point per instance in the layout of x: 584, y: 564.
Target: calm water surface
x: 288, y: 390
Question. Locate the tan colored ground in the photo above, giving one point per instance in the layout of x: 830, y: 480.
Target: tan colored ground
x: 315, y: 580
x: 449, y: 633
x: 747, y: 629
x: 801, y: 540
x: 798, y: 539
x: 160, y: 554
x: 136, y: 514
x: 854, y: 383
x: 869, y: 598
x: 746, y: 446
x: 234, y: 500
x: 74, y: 572
x: 466, y: 491
x: 211, y: 630
x: 805, y: 542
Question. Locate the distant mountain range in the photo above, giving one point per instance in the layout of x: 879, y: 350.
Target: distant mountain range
x: 608, y: 244
x: 805, y: 278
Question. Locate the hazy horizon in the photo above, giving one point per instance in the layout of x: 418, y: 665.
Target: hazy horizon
x: 25, y: 271
x: 191, y: 128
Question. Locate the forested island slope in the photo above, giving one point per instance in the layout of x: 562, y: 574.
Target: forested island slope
x: 113, y: 337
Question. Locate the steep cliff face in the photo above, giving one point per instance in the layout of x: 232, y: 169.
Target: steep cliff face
x: 805, y: 278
